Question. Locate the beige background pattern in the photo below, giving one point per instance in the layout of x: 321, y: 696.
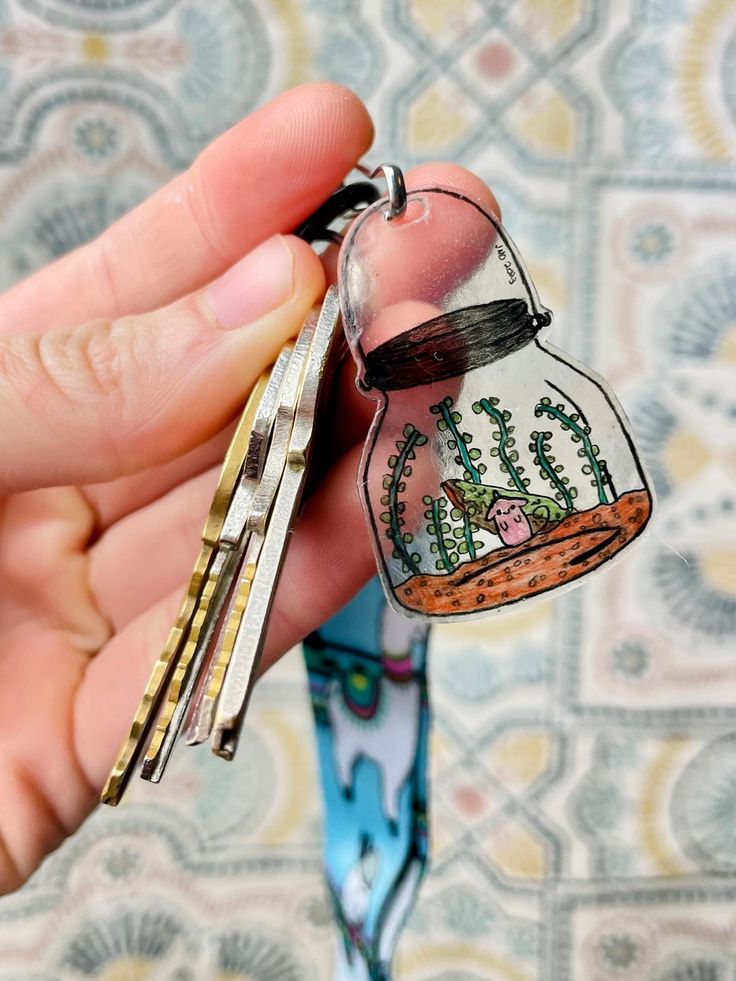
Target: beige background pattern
x: 584, y: 751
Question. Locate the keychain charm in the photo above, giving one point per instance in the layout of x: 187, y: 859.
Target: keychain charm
x: 497, y: 468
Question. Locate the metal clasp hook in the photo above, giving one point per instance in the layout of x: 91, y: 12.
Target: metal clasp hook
x: 394, y: 177
x: 352, y: 197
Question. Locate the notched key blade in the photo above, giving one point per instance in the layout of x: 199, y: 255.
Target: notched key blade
x: 202, y: 722
x: 233, y: 534
x: 223, y: 570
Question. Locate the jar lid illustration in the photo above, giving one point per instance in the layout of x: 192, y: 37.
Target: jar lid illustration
x: 497, y: 468
x: 433, y: 292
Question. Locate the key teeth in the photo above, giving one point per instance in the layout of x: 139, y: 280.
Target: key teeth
x: 223, y: 745
x: 150, y: 770
x: 110, y: 795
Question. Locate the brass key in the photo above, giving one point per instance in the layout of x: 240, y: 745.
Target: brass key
x: 166, y: 663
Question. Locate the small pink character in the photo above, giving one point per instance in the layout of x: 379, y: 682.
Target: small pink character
x: 513, y: 525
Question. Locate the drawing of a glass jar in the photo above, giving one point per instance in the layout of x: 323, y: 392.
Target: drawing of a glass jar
x: 496, y: 468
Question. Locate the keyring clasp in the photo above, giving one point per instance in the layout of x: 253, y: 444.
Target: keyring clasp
x: 394, y: 177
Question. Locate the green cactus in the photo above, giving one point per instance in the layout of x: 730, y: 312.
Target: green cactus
x: 449, y: 543
x: 439, y: 528
x: 468, y: 545
x: 508, y: 456
x: 580, y: 432
x: 394, y: 485
x: 550, y: 470
x: 466, y: 457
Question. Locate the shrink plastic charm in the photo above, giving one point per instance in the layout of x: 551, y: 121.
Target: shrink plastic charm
x: 497, y: 468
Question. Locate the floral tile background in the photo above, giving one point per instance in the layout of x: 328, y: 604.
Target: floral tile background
x: 584, y: 753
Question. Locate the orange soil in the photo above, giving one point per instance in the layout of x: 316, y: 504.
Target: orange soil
x: 573, y: 547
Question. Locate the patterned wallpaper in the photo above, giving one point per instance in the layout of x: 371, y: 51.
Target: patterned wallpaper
x: 584, y: 751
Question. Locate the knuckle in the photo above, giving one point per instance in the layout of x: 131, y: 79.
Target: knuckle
x: 18, y: 358
x: 100, y: 370
x: 85, y: 362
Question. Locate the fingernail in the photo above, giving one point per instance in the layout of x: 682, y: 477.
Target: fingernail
x: 258, y: 284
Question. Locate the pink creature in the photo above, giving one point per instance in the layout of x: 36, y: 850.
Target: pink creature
x: 512, y: 524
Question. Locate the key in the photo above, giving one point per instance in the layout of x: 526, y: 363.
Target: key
x: 201, y: 727
x: 166, y: 663
x: 248, y: 645
x: 234, y: 534
x: 256, y: 523
x: 220, y: 575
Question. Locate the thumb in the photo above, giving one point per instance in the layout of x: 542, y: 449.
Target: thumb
x: 111, y: 397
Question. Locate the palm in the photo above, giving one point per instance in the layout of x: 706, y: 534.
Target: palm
x: 50, y: 629
x: 92, y: 580
x: 69, y: 623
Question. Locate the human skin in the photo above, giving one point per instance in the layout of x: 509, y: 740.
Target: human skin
x: 122, y: 366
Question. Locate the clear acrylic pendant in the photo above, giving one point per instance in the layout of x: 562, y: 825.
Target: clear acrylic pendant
x: 497, y: 468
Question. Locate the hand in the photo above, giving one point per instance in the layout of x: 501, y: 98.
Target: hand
x: 126, y: 412
x: 113, y: 433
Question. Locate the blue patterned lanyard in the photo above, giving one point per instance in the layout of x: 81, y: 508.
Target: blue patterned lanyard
x: 368, y: 687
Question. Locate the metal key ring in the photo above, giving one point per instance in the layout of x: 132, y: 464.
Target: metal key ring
x: 394, y: 177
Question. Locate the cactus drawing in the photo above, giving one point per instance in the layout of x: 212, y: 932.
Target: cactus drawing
x: 507, y: 455
x: 467, y: 457
x: 449, y: 543
x: 550, y: 470
x: 394, y: 484
x: 580, y: 433
x: 439, y: 528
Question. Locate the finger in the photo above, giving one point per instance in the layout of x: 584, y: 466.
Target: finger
x: 454, y: 177
x: 430, y: 175
x: 116, y: 499
x: 263, y: 176
x: 353, y: 421
x: 113, y: 397
x: 146, y: 555
x: 352, y: 412
x: 329, y: 559
x: 421, y: 259
x: 43, y: 795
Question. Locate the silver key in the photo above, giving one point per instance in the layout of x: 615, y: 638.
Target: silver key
x: 248, y: 645
x: 255, y: 517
